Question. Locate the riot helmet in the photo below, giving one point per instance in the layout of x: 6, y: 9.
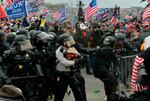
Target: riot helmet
x: 31, y: 33
x: 120, y: 36
x: 52, y: 38
x: 41, y: 39
x: 22, y: 43
x: 109, y: 41
x: 10, y: 38
x: 33, y: 38
x: 22, y: 32
x: 66, y: 40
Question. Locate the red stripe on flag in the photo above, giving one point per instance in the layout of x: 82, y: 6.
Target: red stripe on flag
x: 30, y: 15
x: 91, y: 9
x: 146, y: 13
x: 134, y: 86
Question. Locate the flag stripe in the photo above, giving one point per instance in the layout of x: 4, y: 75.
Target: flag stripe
x: 91, y: 12
x: 91, y: 9
x: 134, y: 86
x: 30, y: 15
x: 146, y: 13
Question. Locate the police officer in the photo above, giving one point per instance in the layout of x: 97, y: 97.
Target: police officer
x: 19, y: 62
x: 68, y: 69
x: 45, y: 47
x: 102, y: 68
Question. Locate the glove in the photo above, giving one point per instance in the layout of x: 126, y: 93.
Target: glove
x: 91, y: 50
x: 79, y: 61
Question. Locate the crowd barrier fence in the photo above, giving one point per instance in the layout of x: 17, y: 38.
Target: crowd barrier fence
x: 125, y: 72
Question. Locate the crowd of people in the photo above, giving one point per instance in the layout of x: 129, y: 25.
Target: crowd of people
x: 43, y: 58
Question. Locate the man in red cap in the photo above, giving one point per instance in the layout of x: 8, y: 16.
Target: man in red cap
x: 132, y: 35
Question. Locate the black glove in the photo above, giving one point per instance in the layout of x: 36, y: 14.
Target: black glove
x: 79, y: 61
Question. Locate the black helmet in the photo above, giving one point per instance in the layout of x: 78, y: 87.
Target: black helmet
x: 10, y: 37
x: 31, y: 33
x: 109, y: 41
x: 34, y: 38
x: 53, y: 36
x: 20, y: 38
x: 40, y: 38
x: 34, y: 35
x: 22, y: 42
x: 66, y: 39
x: 120, y: 36
x: 22, y: 32
x: 44, y: 37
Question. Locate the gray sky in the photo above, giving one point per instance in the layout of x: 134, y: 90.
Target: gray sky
x: 104, y: 3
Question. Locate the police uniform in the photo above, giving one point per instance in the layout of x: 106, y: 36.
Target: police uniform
x: 68, y: 74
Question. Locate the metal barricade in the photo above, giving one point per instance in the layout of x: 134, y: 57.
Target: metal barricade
x: 125, y: 72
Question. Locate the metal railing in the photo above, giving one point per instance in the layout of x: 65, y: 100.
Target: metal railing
x: 125, y: 72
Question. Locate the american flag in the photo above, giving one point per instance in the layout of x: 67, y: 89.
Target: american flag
x: 30, y: 15
x: 134, y: 85
x: 56, y: 15
x: 146, y: 13
x: 104, y: 15
x: 129, y: 16
x: 115, y: 16
x: 45, y: 12
x: 91, y: 9
x: 146, y: 22
x: 114, y: 20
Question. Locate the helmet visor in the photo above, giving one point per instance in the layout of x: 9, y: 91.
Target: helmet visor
x: 70, y: 41
x: 25, y: 45
x: 43, y: 36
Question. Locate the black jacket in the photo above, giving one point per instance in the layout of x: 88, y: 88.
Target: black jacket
x: 105, y: 56
x: 146, y: 56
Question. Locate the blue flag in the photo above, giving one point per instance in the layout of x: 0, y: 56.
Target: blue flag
x: 63, y: 14
x: 16, y: 9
